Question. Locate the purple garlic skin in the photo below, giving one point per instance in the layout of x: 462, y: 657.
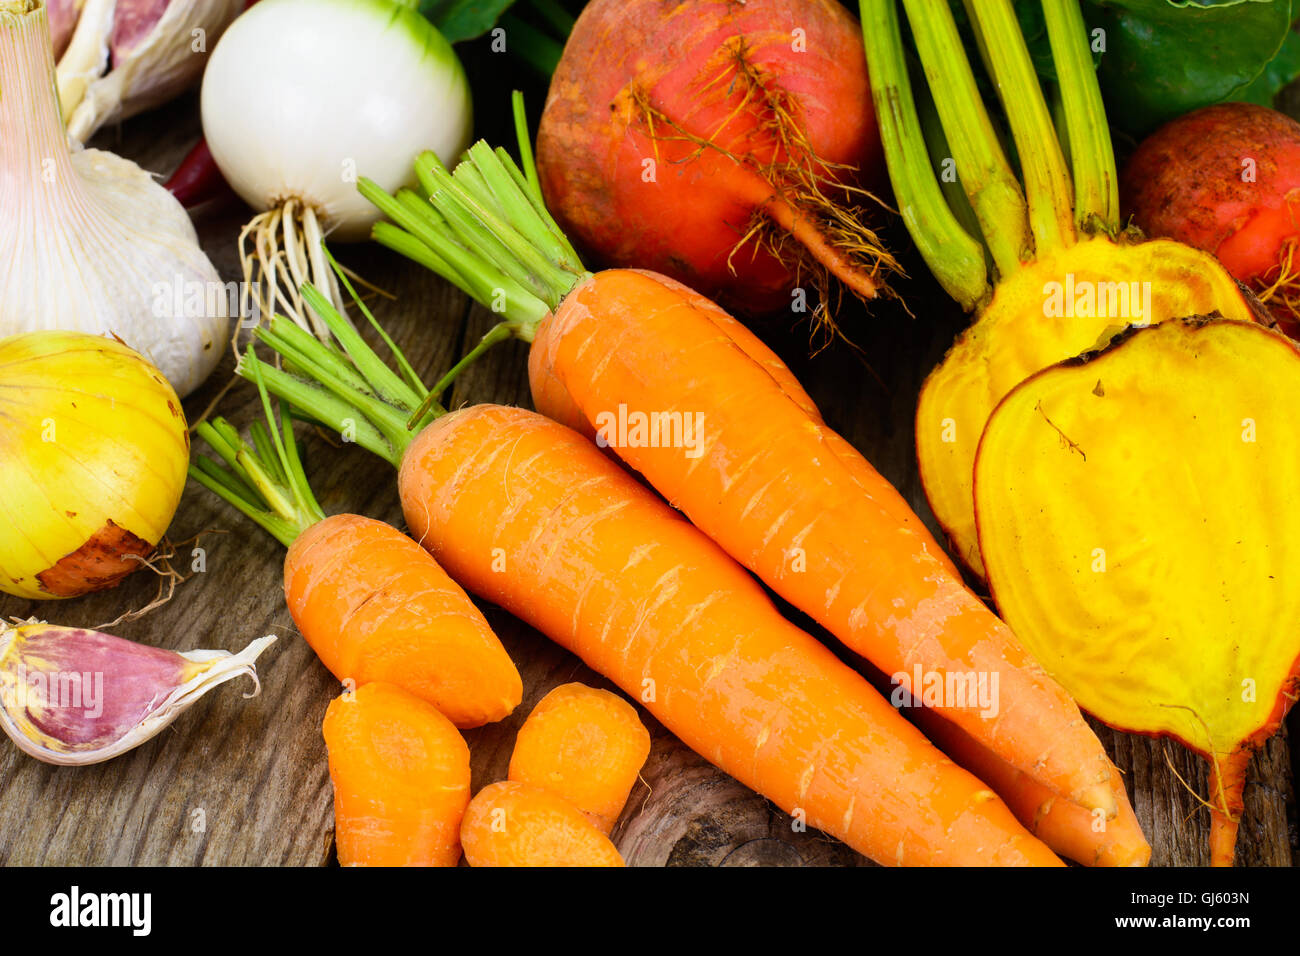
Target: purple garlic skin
x: 132, y: 22
x: 76, y: 696
x: 63, y: 19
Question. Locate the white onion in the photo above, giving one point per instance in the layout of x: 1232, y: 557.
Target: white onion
x: 301, y: 97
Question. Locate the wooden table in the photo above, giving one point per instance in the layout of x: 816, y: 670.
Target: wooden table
x: 244, y: 782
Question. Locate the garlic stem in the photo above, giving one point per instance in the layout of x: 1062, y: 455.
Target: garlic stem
x: 33, y: 145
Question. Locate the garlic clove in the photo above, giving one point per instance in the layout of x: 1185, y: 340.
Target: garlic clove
x: 87, y: 53
x: 156, y: 56
x: 72, y: 696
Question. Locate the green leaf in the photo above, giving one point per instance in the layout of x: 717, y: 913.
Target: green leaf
x: 459, y: 20
x: 1164, y: 58
x: 1281, y: 70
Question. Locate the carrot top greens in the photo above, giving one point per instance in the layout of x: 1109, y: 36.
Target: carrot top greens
x: 264, y: 480
x: 484, y: 227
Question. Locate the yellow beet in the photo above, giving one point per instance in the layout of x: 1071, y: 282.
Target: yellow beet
x: 1068, y: 301
x: 1136, y: 514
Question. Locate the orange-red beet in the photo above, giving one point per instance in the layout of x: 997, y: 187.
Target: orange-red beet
x: 1226, y: 179
x: 672, y: 130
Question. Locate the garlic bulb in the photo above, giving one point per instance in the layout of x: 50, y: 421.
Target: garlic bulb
x: 88, y: 241
x: 73, y: 697
x: 154, y: 58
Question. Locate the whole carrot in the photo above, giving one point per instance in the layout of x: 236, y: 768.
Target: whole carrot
x: 401, y: 773
x: 531, y: 515
x: 517, y: 824
x: 534, y: 517
x: 372, y: 603
x: 584, y: 745
x: 720, y: 429
x: 1069, y: 829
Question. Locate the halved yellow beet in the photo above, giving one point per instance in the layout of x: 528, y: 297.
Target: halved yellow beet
x: 1136, y: 516
x: 1066, y: 302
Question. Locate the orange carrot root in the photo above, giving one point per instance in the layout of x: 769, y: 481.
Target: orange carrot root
x: 1066, y: 827
x: 375, y: 607
x: 401, y: 779
x: 516, y: 824
x: 584, y: 745
x: 802, y: 509
x: 602, y: 566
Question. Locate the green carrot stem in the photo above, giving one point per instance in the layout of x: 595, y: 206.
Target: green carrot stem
x: 369, y: 404
x: 495, y: 335
x: 1092, y: 157
x: 387, y: 384
x: 224, y: 476
x: 403, y: 243
x: 525, y: 144
x: 986, y: 175
x: 501, y: 229
x: 264, y: 480
x: 454, y: 199
x: 326, y: 401
x: 408, y: 373
x: 953, y: 255
x: 444, y: 253
x: 1048, y: 188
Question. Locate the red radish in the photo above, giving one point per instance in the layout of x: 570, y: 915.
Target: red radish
x: 1226, y: 179
x: 713, y: 142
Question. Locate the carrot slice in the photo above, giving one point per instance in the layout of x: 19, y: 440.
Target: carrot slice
x: 401, y: 779
x: 516, y: 824
x: 585, y: 745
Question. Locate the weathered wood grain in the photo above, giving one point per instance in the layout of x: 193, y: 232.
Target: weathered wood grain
x: 244, y: 782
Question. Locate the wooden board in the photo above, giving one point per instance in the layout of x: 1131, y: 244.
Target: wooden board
x: 244, y: 782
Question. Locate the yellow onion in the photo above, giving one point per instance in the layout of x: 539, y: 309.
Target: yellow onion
x: 93, y: 455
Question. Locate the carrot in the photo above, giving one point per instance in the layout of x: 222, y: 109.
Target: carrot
x: 375, y: 607
x: 585, y: 745
x: 401, y: 779
x: 1066, y: 827
x: 603, y: 567
x: 532, y: 516
x: 516, y: 824
x: 743, y: 453
x: 372, y: 603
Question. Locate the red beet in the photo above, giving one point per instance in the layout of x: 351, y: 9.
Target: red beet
x: 1226, y: 179
x: 712, y: 140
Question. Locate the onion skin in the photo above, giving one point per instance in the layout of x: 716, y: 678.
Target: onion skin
x: 93, y: 460
x: 341, y: 108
